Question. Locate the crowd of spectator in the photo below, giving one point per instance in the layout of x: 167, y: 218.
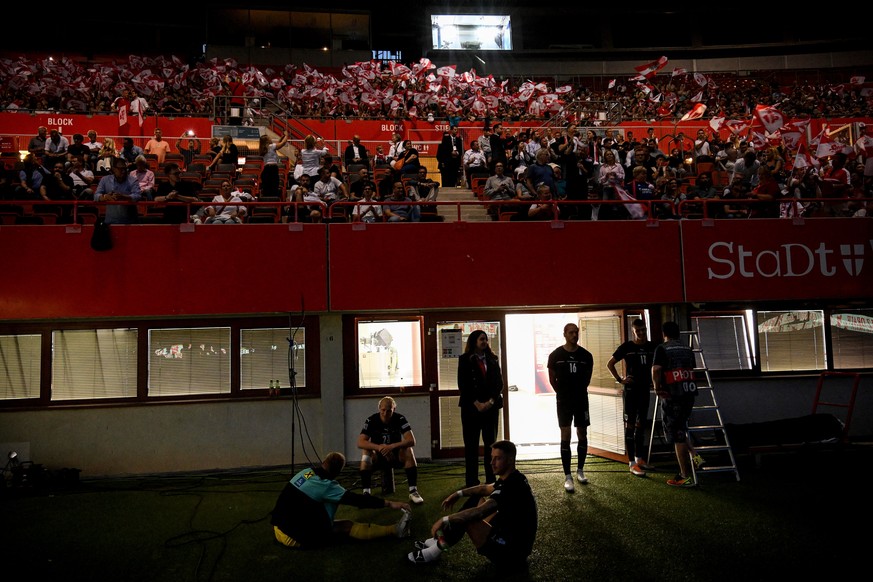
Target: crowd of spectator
x: 378, y: 89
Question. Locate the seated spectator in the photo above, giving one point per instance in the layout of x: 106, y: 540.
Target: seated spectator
x: 474, y: 162
x: 356, y: 189
x: 78, y: 149
x: 225, y: 208
x: 82, y: 177
x: 500, y: 186
x: 329, y: 188
x: 130, y: 151
x: 387, y: 441
x: 30, y: 179
x: 176, y: 190
x: 94, y: 147
x: 423, y: 188
x: 58, y: 186
x: 542, y: 209
x: 365, y: 210
x: 145, y: 177
x: 56, y: 147
x: 399, y: 210
x: 119, y: 186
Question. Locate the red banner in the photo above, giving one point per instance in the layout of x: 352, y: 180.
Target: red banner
x: 730, y: 260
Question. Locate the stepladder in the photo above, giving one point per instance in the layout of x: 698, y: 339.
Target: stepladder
x: 709, y: 445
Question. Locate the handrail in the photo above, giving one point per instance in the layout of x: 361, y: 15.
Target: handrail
x: 655, y: 210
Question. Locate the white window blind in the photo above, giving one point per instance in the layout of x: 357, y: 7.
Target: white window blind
x: 266, y: 355
x: 93, y: 364
x: 791, y: 340
x: 724, y: 340
x: 189, y: 361
x: 852, y: 338
x: 20, y: 359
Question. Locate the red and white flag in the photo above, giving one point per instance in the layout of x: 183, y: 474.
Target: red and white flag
x: 696, y: 112
x: 635, y: 210
x: 651, y: 69
x: 447, y: 71
x: 700, y: 79
x: 679, y: 71
x: 803, y: 159
x: 716, y: 123
x: 611, y: 84
x: 825, y: 145
x: 770, y: 117
x: 737, y: 126
x: 859, y: 80
x: 697, y: 98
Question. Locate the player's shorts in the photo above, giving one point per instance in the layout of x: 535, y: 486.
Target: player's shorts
x: 571, y: 410
x: 675, y: 412
x: 499, y: 552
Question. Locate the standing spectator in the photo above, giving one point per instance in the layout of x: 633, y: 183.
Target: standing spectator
x: 56, y: 147
x: 158, y: 146
x: 236, y: 91
x: 570, y: 369
x: 449, y: 155
x: 480, y: 382
x: 94, y: 147
x: 498, y: 146
x: 304, y: 513
x: 746, y: 169
x: 119, y: 187
x: 636, y: 383
x: 36, y: 145
x: 311, y: 157
x: 702, y: 152
x: 356, y: 153
x: 269, y: 150
x: 673, y: 382
x: 189, y: 148
x: 485, y: 144
x: 387, y: 440
x: 138, y: 108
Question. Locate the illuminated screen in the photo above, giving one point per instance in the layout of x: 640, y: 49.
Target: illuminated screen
x: 490, y: 32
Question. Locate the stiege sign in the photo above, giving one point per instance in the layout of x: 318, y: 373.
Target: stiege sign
x: 730, y: 260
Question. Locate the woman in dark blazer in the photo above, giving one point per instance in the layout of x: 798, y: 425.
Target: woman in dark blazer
x: 481, y: 384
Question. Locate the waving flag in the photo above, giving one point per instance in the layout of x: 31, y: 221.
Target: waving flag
x: 770, y: 117
x: 636, y: 210
x: 611, y: 84
x: 679, y: 71
x: 651, y: 69
x: 700, y: 79
x: 696, y: 112
x: 716, y: 123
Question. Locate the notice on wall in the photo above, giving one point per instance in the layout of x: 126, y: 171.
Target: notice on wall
x: 450, y: 341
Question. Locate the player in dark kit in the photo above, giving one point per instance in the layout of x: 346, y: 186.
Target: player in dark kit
x: 570, y: 369
x: 387, y: 440
x: 673, y: 380
x: 637, y: 356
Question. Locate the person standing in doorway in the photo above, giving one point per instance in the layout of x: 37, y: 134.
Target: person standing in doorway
x: 570, y: 370
x: 637, y: 382
x: 481, y: 384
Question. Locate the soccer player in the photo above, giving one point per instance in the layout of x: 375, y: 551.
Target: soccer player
x: 570, y: 369
x: 637, y: 382
x: 387, y: 440
x: 500, y: 517
x: 673, y: 380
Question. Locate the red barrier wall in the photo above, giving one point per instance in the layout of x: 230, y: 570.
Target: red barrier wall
x: 777, y: 259
x: 155, y: 270
x: 455, y: 265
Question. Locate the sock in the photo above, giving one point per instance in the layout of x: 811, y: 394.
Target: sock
x: 366, y: 491
x: 565, y: 456
x: 581, y: 453
x: 371, y: 531
x: 412, y: 477
x: 366, y: 479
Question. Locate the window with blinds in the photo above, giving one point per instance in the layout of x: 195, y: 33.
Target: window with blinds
x: 21, y: 360
x: 190, y: 361
x: 93, y: 364
x: 600, y: 335
x: 725, y: 341
x: 267, y: 356
x: 791, y: 340
x: 852, y: 338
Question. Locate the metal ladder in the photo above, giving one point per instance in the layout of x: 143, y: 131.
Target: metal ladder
x: 705, y: 427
